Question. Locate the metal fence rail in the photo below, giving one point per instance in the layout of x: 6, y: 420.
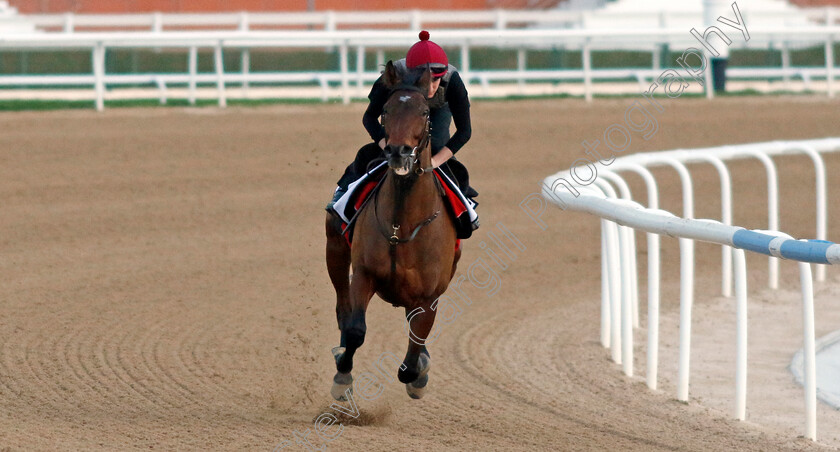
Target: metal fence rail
x: 607, y: 196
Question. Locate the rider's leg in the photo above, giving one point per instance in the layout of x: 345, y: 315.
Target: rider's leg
x: 355, y: 170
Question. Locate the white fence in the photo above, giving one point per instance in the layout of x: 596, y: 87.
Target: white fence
x: 586, y: 41
x: 619, y: 302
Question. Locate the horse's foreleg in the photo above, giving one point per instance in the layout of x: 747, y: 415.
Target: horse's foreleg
x: 351, y: 320
x: 415, y: 368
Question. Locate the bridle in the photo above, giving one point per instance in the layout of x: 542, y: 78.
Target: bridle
x: 392, y: 236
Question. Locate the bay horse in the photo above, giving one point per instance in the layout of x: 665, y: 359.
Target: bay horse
x: 404, y: 241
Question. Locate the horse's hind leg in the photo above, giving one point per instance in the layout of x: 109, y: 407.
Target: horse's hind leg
x: 338, y: 261
x: 415, y: 369
x: 338, y: 267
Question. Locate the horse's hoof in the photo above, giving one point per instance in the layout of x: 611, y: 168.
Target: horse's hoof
x: 341, y: 384
x: 417, y: 388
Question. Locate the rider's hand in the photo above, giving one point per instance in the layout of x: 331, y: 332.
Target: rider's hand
x: 441, y: 157
x: 382, y: 144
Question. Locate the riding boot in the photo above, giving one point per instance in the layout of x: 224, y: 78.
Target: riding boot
x: 339, y: 192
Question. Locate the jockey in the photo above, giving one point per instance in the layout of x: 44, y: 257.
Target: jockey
x: 448, y: 101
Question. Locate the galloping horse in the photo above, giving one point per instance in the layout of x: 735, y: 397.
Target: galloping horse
x: 404, y: 241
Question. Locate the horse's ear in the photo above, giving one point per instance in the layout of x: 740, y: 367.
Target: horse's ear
x: 425, y: 81
x: 389, y: 76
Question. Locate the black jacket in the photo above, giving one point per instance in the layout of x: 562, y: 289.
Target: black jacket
x: 455, y: 99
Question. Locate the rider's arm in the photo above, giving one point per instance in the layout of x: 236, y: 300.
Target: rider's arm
x: 459, y: 105
x: 378, y: 96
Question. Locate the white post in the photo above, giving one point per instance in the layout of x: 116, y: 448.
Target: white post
x: 501, y: 19
x: 658, y: 47
x: 786, y: 65
x: 192, y: 62
x: 465, y: 62
x: 416, y: 21
x: 829, y: 64
x: 345, y: 76
x: 810, y: 369
x: 725, y: 218
x: 380, y: 58
x: 615, y: 291
x: 626, y: 303
x: 330, y: 25
x: 161, y: 84
x: 521, y: 66
x: 605, y: 287
x: 587, y: 72
x: 360, y: 69
x: 822, y: 210
x: 656, y: 56
x: 653, y: 278
x: 243, y: 21
x: 821, y: 200
x: 741, y: 333
x: 68, y: 22
x: 707, y: 77
x: 772, y: 212
x: 157, y: 22
x: 99, y: 75
x: 653, y: 310
x: 686, y: 302
x: 246, y: 70
x: 220, y: 74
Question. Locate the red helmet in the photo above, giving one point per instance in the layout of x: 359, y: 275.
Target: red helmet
x: 427, y: 52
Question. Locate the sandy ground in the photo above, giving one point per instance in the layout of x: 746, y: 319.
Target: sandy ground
x: 164, y: 288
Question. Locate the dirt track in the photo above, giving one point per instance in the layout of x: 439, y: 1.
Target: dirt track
x: 164, y: 288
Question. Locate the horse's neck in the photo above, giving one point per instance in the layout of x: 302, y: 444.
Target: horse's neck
x: 411, y: 202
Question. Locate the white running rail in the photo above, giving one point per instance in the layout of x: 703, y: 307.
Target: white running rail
x: 620, y: 215
x: 363, y: 41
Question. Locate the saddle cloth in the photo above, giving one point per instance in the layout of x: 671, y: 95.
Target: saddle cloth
x: 461, y: 207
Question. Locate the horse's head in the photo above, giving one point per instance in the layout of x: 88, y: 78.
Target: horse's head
x: 406, y: 121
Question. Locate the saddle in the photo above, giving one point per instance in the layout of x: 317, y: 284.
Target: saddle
x: 359, y: 192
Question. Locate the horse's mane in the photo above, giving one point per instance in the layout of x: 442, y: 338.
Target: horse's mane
x: 412, y: 76
x: 410, y: 80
